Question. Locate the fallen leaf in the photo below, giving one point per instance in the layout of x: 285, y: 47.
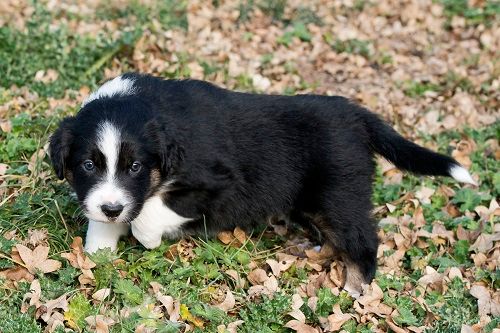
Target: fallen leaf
x: 228, y: 302
x: 337, y: 319
x: 257, y: 276
x: 33, y: 296
x: 17, y: 273
x: 284, y: 262
x: 46, y: 310
x: 226, y: 237
x: 99, y: 323
x: 431, y: 276
x: 424, y: 194
x: 485, y: 303
x: 240, y: 235
x: 297, y: 326
x: 485, y: 242
x: 77, y: 257
x: 101, y: 294
x: 36, y: 260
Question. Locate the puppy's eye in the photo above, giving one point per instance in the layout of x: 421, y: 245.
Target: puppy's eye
x: 88, y: 165
x: 135, y: 167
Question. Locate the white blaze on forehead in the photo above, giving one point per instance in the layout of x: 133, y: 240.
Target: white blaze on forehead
x: 117, y: 86
x: 107, y: 189
x: 108, y: 142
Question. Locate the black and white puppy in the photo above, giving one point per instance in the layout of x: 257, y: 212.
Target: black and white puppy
x: 171, y: 158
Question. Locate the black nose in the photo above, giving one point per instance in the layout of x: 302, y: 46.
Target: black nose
x: 111, y: 210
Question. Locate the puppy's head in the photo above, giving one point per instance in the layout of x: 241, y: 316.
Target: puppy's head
x: 113, y: 155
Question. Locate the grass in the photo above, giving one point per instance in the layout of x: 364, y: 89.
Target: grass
x: 31, y: 198
x: 484, y: 12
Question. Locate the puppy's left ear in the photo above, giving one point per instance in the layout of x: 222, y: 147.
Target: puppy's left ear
x: 164, y: 143
x: 59, y: 147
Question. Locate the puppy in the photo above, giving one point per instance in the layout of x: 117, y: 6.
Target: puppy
x: 172, y: 158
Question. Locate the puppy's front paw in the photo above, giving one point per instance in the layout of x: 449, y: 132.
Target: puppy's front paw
x: 91, y: 246
x: 151, y: 244
x: 149, y: 240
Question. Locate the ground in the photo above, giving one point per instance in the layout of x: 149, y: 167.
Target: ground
x: 430, y: 68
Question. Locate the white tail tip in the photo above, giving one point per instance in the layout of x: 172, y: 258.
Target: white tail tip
x: 461, y: 174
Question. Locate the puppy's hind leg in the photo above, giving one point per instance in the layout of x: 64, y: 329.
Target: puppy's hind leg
x: 347, y: 225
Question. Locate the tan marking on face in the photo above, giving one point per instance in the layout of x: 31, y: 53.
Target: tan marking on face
x: 69, y: 176
x: 155, y: 177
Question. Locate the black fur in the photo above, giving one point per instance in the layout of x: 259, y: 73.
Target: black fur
x: 239, y: 158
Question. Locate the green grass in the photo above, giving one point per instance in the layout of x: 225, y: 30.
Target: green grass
x: 484, y: 13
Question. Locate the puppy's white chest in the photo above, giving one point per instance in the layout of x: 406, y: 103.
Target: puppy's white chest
x: 154, y: 221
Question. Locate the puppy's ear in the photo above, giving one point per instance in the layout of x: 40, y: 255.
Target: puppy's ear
x: 164, y: 143
x: 59, y: 147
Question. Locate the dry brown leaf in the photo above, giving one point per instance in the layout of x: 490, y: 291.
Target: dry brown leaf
x: 166, y: 301
x: 485, y: 303
x: 101, y: 294
x: 36, y: 237
x: 226, y: 237
x: 462, y: 152
x: 5, y: 126
x: 176, y: 312
x: 257, y: 276
x: 240, y: 282
x: 240, y: 235
x: 54, y: 321
x: 372, y: 295
x: 46, y: 310
x: 36, y: 260
x: 454, y: 272
x: 487, y: 213
x: 431, y: 276
x: 156, y: 287
x: 284, y: 262
x: 485, y: 242
x: 393, y: 326
x: 231, y: 327
x: 17, y: 273
x: 46, y: 76
x: 33, y: 296
x: 299, y: 327
x: 77, y: 257
x: 424, y: 194
x: 337, y: 319
x: 99, y: 323
x: 228, y: 302
x: 297, y: 302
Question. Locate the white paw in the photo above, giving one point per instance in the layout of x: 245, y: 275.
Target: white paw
x: 96, y: 244
x: 149, y: 240
x: 152, y: 243
x: 103, y: 235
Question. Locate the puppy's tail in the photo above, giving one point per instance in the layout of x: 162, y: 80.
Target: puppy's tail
x: 409, y: 156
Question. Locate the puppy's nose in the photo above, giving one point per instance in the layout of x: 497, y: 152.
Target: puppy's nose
x: 112, y: 210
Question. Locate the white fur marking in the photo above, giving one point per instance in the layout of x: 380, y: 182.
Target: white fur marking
x: 107, y: 191
x: 117, y: 86
x: 103, y: 235
x: 154, y: 221
x: 108, y: 141
x: 461, y: 174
